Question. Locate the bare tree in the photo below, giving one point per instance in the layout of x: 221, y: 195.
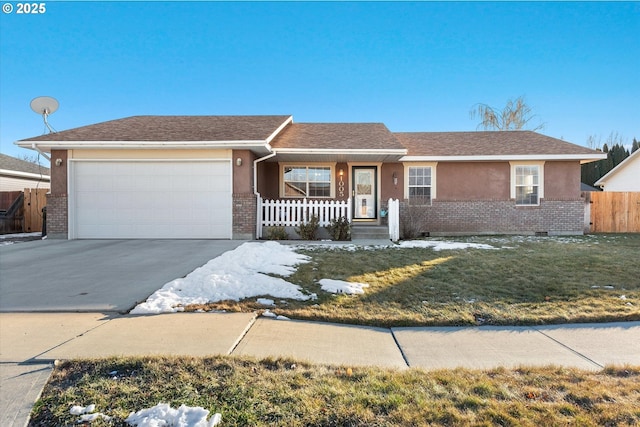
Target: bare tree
x: 516, y: 115
x: 31, y: 158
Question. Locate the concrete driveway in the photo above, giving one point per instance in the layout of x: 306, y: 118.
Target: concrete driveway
x: 96, y: 275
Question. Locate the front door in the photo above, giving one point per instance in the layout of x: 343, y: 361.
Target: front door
x: 364, y: 192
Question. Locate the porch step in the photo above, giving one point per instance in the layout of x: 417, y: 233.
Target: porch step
x: 369, y: 232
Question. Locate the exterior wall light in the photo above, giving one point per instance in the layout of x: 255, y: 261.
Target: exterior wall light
x: 395, y: 178
x: 239, y: 161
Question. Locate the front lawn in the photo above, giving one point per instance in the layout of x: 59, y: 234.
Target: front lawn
x: 277, y: 392
x: 523, y: 281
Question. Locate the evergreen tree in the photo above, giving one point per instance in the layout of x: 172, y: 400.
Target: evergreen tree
x: 635, y: 145
x: 616, y: 153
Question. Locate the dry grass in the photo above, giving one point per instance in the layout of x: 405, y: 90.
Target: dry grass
x: 529, y: 281
x: 278, y: 392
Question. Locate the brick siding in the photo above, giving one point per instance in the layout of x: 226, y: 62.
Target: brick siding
x: 57, y: 216
x: 492, y: 217
x: 244, y: 216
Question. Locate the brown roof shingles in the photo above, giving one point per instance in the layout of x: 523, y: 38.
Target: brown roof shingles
x: 18, y: 165
x: 173, y: 128
x: 500, y: 143
x: 328, y: 136
x: 337, y: 136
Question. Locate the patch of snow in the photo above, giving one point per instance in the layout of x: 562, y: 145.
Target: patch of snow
x: 86, y: 415
x: 342, y: 287
x: 272, y: 315
x: 234, y: 275
x: 266, y: 301
x: 164, y: 415
x: 88, y: 418
x: 79, y: 410
x: 442, y: 245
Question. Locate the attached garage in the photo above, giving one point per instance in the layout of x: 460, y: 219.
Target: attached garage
x: 150, y: 199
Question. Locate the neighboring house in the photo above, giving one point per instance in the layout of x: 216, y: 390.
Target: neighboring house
x: 624, y: 177
x: 206, y: 177
x: 16, y: 174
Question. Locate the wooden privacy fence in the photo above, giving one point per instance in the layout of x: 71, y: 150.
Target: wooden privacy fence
x: 11, y: 212
x: 615, y: 212
x: 34, y: 200
x: 290, y: 213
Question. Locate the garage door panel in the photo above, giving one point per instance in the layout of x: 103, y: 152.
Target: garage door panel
x: 151, y: 199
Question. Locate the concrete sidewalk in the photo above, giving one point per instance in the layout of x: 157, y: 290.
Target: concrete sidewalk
x: 30, y: 342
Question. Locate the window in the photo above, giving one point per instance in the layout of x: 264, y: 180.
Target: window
x: 420, y: 184
x: 527, y: 184
x: 307, y: 181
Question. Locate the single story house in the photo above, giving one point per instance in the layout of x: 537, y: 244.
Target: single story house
x: 17, y: 174
x: 624, y: 177
x: 213, y: 177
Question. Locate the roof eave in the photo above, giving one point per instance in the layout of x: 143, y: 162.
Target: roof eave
x: 339, y: 155
x: 19, y: 174
x: 397, y: 151
x: 258, y: 146
x: 583, y: 158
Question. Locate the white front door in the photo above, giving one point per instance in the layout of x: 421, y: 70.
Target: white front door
x: 364, y: 192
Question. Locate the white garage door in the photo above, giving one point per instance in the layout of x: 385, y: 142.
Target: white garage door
x: 151, y: 199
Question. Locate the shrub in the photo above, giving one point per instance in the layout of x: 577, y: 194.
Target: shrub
x: 307, y: 231
x: 277, y: 233
x: 340, y: 228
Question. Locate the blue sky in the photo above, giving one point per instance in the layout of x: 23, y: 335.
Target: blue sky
x: 415, y: 66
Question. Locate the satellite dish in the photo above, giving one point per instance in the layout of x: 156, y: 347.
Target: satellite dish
x: 45, y: 105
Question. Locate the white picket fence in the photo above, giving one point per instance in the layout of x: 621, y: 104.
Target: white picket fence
x: 290, y: 213
x: 394, y: 219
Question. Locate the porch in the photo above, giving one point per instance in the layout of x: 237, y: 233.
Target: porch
x: 293, y: 212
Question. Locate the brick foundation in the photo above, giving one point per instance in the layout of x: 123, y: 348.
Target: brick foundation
x: 492, y: 217
x: 57, y: 216
x: 244, y: 216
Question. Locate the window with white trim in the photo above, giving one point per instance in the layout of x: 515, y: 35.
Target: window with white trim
x: 527, y: 184
x: 420, y: 185
x: 306, y: 181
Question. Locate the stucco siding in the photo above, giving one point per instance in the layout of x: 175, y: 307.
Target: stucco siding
x: 472, y: 181
x: 561, y: 180
x: 389, y: 190
x: 243, y: 172
x: 268, y: 180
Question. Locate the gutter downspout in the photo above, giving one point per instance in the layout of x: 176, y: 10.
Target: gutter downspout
x: 258, y: 197
x: 35, y: 147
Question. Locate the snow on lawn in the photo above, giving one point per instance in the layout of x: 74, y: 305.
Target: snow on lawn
x: 235, y: 275
x: 243, y: 273
x: 342, y: 287
x: 440, y: 245
x: 164, y: 415
x: 160, y: 415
